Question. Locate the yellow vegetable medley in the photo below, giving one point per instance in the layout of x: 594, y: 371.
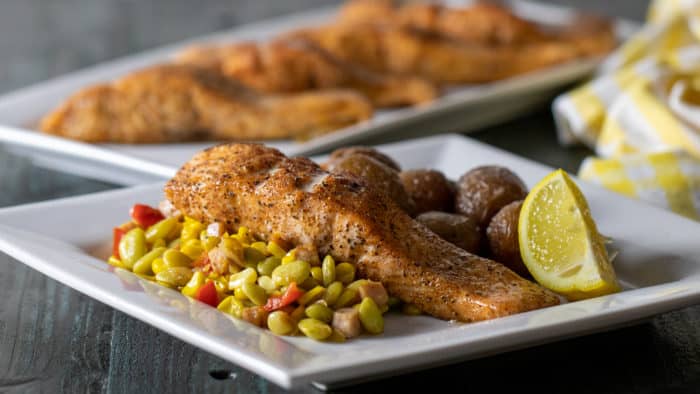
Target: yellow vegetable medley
x: 290, y: 291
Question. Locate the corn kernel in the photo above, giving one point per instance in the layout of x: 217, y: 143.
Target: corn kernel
x: 192, y: 248
x: 239, y: 293
x: 191, y: 229
x: 260, y: 247
x: 290, y: 256
x: 210, y: 242
x: 116, y: 262
x: 197, y: 280
x: 232, y: 306
x: 158, y: 266
x: 274, y: 249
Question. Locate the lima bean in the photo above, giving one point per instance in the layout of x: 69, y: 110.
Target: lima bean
x: 328, y: 268
x: 347, y: 298
x: 295, y: 271
x: 268, y: 265
x: 160, y: 230
x: 319, y: 312
x: 255, y: 293
x: 280, y: 323
x: 143, y: 265
x: 345, y: 273
x: 333, y: 292
x: 132, y: 247
x: 315, y: 329
x: 175, y: 276
x: 312, y: 295
x: 175, y: 258
x: 248, y: 275
x: 371, y: 317
x: 317, y: 274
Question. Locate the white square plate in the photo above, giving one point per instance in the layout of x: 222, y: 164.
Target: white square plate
x: 462, y: 109
x: 658, y: 265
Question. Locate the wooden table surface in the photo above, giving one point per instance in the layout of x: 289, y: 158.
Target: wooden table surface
x: 54, y: 339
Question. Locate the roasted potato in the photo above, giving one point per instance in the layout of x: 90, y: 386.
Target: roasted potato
x: 483, y: 191
x: 429, y: 189
x: 502, y: 237
x: 457, y: 229
x: 342, y: 153
x: 377, y: 175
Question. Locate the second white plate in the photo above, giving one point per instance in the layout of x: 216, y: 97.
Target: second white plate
x: 464, y: 109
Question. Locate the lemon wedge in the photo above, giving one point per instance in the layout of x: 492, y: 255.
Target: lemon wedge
x: 560, y: 243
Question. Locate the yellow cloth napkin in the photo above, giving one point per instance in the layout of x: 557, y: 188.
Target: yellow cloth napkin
x: 641, y: 113
x: 669, y: 179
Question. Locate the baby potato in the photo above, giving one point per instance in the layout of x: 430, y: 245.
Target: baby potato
x: 377, y: 175
x: 457, y: 229
x: 483, y: 191
x: 502, y: 237
x: 429, y: 189
x: 342, y: 153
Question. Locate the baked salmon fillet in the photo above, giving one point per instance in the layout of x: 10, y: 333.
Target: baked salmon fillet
x: 484, y: 24
x: 258, y: 187
x: 478, y: 23
x: 455, y: 45
x: 174, y: 103
x: 403, y: 51
x: 292, y: 66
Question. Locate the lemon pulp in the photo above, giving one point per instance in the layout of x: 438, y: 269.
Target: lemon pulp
x: 560, y: 243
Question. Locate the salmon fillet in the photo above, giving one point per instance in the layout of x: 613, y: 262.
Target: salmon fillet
x: 258, y: 187
x: 449, y: 45
x: 174, y: 103
x: 397, y: 50
x: 478, y: 23
x: 292, y: 66
x: 484, y: 24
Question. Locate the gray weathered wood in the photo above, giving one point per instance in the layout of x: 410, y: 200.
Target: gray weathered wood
x: 53, y: 339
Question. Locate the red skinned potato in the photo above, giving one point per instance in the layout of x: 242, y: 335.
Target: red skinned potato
x: 429, y: 189
x: 377, y: 175
x: 342, y: 153
x: 456, y: 229
x: 502, y: 237
x: 483, y: 191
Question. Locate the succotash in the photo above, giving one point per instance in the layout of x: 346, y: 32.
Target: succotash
x: 288, y: 290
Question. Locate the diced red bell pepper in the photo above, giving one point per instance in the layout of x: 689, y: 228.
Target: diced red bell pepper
x: 278, y: 302
x: 207, y: 294
x: 117, y: 237
x: 145, y: 216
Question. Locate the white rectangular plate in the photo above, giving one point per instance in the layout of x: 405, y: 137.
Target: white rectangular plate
x: 658, y: 265
x: 462, y: 109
